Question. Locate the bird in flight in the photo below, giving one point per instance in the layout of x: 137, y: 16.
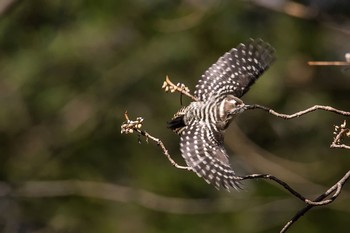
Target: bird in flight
x: 201, y: 124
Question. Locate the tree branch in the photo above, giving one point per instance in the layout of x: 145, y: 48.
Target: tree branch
x: 297, y: 114
x: 335, y: 188
x: 130, y: 126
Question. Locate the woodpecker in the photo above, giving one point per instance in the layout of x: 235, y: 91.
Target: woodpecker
x: 201, y: 124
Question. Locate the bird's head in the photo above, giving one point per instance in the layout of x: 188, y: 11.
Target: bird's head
x: 230, y: 107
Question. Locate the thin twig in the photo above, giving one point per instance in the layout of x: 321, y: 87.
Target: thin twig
x: 288, y: 188
x: 328, y: 63
x: 165, y: 151
x: 130, y: 126
x: 341, y: 146
x: 297, y: 114
x: 180, y: 87
x: 340, y: 132
x: 336, y: 141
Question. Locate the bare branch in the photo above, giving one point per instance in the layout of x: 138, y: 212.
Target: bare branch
x: 130, y: 126
x: 290, y: 189
x: 339, y: 131
x: 328, y: 63
x: 332, y: 63
x: 335, y: 188
x: 297, y: 114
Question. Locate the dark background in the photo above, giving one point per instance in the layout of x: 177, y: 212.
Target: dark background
x: 70, y: 69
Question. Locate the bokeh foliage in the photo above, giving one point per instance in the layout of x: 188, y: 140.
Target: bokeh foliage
x: 69, y: 70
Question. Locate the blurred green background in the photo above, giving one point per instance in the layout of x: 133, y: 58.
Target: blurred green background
x: 70, y: 69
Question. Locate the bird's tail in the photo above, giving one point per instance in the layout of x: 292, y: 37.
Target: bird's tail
x: 177, y: 123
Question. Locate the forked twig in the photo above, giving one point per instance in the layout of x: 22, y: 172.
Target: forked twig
x: 340, y: 132
x: 335, y: 188
x: 130, y: 126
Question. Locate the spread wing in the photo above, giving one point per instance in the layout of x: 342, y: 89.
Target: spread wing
x: 236, y: 70
x: 202, y: 148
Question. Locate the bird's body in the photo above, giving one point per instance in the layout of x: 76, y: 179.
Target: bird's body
x: 202, y: 123
x: 213, y: 111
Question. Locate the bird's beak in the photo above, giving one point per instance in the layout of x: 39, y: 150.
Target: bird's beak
x: 239, y: 109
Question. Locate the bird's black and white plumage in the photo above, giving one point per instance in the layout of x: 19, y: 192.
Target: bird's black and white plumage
x: 202, y: 123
